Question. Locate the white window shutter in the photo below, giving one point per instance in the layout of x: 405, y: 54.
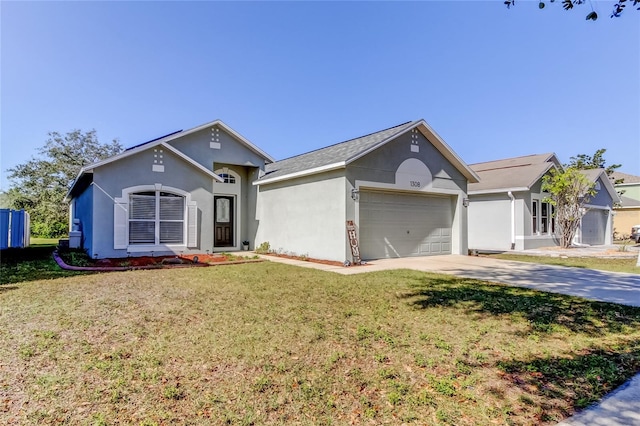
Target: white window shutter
x: 192, y: 225
x: 120, y: 237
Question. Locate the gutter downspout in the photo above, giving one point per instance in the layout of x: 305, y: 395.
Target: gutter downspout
x: 513, y: 220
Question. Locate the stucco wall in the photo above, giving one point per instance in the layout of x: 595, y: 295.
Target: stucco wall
x: 490, y: 222
x: 83, y: 209
x: 198, y: 146
x: 304, y: 216
x: 381, y: 165
x: 602, y: 197
x: 137, y: 170
x: 630, y: 190
x: 624, y: 219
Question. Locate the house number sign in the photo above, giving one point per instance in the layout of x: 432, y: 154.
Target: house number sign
x: 353, y: 242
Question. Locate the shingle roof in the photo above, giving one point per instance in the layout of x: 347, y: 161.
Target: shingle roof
x: 525, y: 160
x: 627, y: 177
x: 629, y: 202
x: 511, y: 173
x: 340, y: 152
x: 153, y: 140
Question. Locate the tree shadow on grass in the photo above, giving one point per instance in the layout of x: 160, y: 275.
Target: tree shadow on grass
x: 557, y: 384
x: 545, y: 311
x: 575, y: 381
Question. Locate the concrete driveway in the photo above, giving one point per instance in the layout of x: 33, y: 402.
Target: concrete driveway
x: 591, y: 284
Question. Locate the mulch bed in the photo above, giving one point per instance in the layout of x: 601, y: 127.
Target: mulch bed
x: 187, y: 259
x: 311, y: 259
x: 154, y: 262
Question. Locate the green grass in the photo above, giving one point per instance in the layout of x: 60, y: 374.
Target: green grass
x: 268, y: 343
x: 29, y: 264
x: 627, y: 265
x: 52, y: 242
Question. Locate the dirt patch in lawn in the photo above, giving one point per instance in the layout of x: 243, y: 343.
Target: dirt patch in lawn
x: 78, y: 260
x: 311, y: 259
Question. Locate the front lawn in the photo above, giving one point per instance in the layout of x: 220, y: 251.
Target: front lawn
x: 268, y: 343
x: 627, y: 265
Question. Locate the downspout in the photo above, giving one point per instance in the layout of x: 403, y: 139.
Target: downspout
x: 513, y: 220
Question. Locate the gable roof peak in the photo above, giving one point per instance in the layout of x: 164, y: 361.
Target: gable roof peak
x: 372, y: 134
x: 343, y: 153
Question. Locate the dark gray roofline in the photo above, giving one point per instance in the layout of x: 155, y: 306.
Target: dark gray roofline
x: 153, y: 140
x: 347, y: 141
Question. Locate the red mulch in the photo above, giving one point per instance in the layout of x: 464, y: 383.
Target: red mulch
x: 160, y: 260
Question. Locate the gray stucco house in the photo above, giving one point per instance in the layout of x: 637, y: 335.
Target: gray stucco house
x: 507, y: 209
x: 403, y: 187
x: 208, y: 189
x: 187, y: 192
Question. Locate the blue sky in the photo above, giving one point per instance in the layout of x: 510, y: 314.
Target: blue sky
x: 296, y: 76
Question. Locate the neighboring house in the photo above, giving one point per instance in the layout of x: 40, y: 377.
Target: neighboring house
x: 627, y: 213
x: 189, y: 191
x: 403, y: 187
x: 507, y: 209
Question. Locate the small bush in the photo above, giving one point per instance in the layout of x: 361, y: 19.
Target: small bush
x: 75, y: 257
x: 263, y: 248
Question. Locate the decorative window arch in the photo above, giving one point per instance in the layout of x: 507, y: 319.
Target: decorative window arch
x: 152, y: 217
x: 229, y: 176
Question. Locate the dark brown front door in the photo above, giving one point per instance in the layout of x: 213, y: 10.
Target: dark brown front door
x: 223, y: 225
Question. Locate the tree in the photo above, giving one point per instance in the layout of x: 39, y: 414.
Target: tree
x: 569, y: 190
x: 597, y: 161
x: 618, y: 8
x: 39, y: 185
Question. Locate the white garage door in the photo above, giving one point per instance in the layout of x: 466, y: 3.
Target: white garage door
x: 594, y: 225
x: 401, y: 225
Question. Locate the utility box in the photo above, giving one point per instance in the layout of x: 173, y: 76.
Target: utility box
x: 75, y: 236
x: 75, y: 239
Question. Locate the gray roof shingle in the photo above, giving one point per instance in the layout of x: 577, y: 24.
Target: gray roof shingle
x: 511, y: 173
x: 627, y: 177
x: 339, y: 152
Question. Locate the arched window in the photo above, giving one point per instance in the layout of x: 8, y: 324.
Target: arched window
x: 228, y: 178
x: 156, y: 217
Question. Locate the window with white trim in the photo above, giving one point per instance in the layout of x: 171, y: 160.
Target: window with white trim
x: 156, y: 217
x: 542, y: 218
x: 227, y: 178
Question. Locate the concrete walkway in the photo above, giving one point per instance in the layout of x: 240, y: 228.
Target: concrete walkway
x: 619, y: 408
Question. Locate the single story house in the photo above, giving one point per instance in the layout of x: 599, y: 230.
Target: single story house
x: 208, y: 189
x: 507, y: 209
x: 627, y: 213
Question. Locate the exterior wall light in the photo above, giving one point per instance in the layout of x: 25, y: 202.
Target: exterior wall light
x: 355, y: 194
x: 465, y: 202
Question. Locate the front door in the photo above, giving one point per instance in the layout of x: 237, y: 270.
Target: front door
x: 223, y: 225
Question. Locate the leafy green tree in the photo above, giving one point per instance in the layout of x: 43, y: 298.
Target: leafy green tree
x: 569, y: 190
x: 597, y: 161
x: 618, y: 8
x: 39, y: 185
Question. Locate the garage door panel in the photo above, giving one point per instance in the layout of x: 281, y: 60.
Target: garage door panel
x: 400, y: 225
x: 594, y: 225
